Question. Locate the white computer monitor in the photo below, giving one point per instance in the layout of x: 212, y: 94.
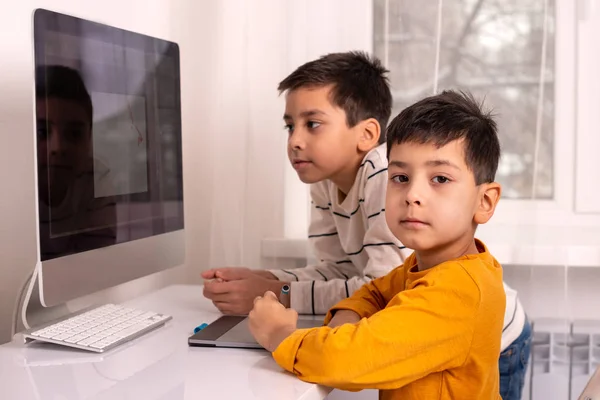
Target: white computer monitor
x: 108, y: 154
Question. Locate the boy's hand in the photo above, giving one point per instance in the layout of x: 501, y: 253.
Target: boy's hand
x: 232, y: 273
x: 237, y: 296
x: 270, y: 322
x: 342, y: 317
x: 235, y: 273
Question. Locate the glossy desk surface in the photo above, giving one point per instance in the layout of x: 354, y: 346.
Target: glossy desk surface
x: 158, y: 365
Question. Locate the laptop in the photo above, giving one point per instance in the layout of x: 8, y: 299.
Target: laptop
x: 233, y: 331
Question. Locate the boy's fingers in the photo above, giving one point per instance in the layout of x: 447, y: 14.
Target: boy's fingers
x: 224, y: 274
x: 221, y: 297
x: 208, y: 274
x: 224, y: 307
x: 218, y: 287
x: 231, y: 274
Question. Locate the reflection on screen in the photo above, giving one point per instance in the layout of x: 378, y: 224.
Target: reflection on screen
x: 108, y: 135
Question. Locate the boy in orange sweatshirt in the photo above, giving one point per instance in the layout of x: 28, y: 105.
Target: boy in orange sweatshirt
x: 431, y: 328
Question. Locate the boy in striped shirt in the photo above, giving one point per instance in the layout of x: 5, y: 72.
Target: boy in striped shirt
x: 337, y: 108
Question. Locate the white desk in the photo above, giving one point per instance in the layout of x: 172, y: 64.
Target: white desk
x: 159, y: 365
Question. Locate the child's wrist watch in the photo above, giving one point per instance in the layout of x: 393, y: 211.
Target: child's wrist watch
x: 285, y: 295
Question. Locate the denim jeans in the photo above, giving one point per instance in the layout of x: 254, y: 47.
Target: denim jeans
x: 513, y: 365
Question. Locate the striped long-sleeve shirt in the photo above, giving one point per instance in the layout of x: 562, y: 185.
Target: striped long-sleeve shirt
x: 350, y: 238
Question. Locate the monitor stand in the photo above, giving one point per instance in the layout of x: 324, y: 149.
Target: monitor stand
x: 30, y: 312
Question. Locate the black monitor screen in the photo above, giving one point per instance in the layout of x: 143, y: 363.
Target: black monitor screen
x: 108, y: 135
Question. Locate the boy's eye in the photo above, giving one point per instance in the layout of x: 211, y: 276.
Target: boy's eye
x: 400, y: 178
x: 440, y: 179
x: 313, y: 124
x: 289, y: 128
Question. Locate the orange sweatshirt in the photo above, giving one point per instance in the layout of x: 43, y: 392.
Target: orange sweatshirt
x: 432, y: 334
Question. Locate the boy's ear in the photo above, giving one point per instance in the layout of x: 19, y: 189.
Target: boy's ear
x: 489, y: 194
x: 369, y: 133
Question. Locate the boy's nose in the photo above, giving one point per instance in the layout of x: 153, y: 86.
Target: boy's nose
x: 413, y: 196
x: 296, y: 141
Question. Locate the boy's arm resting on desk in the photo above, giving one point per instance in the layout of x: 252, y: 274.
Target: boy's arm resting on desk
x: 311, y: 295
x: 315, y: 288
x: 429, y: 330
x: 315, y: 295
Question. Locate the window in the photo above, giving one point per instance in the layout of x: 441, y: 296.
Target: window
x: 536, y: 63
x: 502, y: 51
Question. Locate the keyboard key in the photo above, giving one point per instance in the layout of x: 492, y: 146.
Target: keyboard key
x: 86, y: 342
x: 133, y: 329
x: 73, y: 339
x: 113, y: 338
x: 62, y: 336
x: 100, y: 345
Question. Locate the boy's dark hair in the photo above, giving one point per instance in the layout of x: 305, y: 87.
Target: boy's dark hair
x: 64, y: 83
x: 446, y: 117
x: 360, y: 85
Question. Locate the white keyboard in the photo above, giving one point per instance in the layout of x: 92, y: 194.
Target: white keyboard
x: 99, y: 329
